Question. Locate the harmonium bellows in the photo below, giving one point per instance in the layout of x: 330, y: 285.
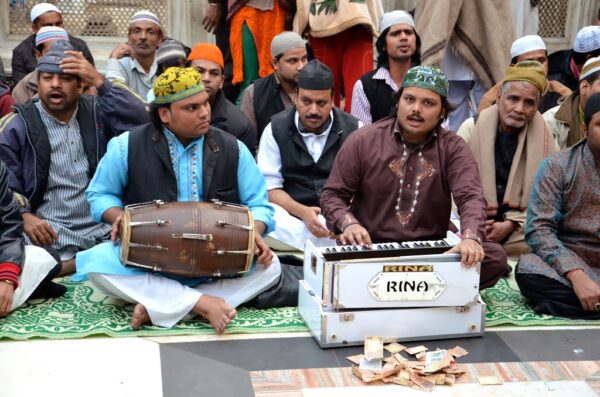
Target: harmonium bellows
x: 401, y: 291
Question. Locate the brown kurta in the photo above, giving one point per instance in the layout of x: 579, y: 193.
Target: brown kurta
x: 364, y: 183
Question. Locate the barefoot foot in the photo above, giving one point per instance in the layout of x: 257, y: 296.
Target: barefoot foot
x: 216, y: 311
x: 140, y: 316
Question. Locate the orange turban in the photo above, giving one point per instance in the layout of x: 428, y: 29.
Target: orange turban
x: 208, y: 52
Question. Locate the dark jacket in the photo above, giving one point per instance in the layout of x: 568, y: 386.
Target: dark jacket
x: 559, y: 69
x: 379, y: 94
x: 303, y: 179
x: 12, y: 248
x: 267, y: 101
x: 24, y: 61
x: 226, y: 116
x: 150, y: 172
x: 25, y: 147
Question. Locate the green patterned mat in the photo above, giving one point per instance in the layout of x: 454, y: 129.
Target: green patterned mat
x: 84, y: 311
x: 507, y: 307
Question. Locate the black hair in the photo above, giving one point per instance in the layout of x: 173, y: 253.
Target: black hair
x: 514, y: 60
x: 580, y: 57
x: 592, y: 77
x: 382, y: 56
x: 446, y: 107
x: 154, y: 116
x: 169, y: 63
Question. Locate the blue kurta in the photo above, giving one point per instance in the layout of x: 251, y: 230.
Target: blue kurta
x: 108, y: 186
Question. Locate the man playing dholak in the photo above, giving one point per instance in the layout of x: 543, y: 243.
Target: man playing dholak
x: 509, y: 140
x: 394, y: 180
x: 561, y: 276
x: 178, y: 157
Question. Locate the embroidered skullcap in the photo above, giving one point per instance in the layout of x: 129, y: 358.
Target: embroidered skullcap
x: 145, y: 15
x: 428, y: 77
x: 47, y: 33
x: 315, y: 76
x: 286, y: 41
x: 526, y: 44
x: 207, y: 52
x: 587, y: 39
x: 592, y: 65
x: 592, y: 106
x: 530, y: 71
x: 176, y: 84
x: 50, y: 61
x: 170, y: 49
x: 42, y: 8
x: 394, y: 18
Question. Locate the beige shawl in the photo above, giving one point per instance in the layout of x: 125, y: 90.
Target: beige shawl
x: 535, y: 143
x: 479, y: 31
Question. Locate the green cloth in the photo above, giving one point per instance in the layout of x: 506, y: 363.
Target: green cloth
x: 250, y: 56
x: 85, y: 311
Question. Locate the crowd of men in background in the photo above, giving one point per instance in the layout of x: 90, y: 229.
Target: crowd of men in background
x: 323, y: 146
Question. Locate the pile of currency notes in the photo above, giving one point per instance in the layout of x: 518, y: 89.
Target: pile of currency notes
x: 422, y: 369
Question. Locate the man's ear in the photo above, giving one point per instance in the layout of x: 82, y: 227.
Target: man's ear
x: 164, y: 114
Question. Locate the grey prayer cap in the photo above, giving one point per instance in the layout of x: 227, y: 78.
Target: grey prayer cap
x: 285, y: 41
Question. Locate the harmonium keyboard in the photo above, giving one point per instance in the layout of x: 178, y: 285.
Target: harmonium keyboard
x: 401, y: 291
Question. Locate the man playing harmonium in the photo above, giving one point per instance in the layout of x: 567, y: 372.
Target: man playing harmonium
x: 561, y: 276
x: 394, y: 180
x: 178, y: 157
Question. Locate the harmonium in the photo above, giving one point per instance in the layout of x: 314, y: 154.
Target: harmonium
x: 400, y: 291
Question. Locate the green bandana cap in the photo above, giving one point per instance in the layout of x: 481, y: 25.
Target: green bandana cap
x: 428, y: 77
x: 176, y: 84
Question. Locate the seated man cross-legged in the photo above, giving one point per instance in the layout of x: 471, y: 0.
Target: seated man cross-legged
x: 179, y: 157
x: 296, y: 152
x: 394, y: 180
x: 561, y: 275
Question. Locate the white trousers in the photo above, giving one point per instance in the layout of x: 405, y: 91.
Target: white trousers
x: 38, y: 263
x: 290, y: 232
x: 168, y: 301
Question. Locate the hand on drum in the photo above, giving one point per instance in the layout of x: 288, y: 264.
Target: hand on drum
x: 115, y: 233
x: 470, y: 250
x: 263, y: 253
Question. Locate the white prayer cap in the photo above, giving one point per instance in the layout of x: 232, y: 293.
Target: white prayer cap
x: 526, y: 44
x: 145, y: 15
x: 395, y: 17
x: 592, y: 65
x: 42, y: 8
x: 587, y: 39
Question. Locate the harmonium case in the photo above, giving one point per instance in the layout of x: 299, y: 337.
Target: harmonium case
x: 402, y: 292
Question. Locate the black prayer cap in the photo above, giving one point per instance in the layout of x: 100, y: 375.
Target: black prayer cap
x: 591, y: 107
x: 315, y: 76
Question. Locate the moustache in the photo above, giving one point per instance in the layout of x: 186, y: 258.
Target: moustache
x: 415, y: 117
x: 313, y: 117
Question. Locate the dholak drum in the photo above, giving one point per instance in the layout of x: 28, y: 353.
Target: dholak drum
x: 190, y: 239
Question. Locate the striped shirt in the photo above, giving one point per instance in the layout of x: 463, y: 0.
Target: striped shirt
x: 361, y: 107
x: 65, y: 206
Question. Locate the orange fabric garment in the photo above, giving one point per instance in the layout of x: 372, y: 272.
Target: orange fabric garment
x: 264, y: 25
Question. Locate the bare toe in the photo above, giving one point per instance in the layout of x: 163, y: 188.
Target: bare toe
x: 140, y: 316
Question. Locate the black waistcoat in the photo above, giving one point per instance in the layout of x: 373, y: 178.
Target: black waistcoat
x: 36, y: 130
x: 150, y: 171
x: 267, y: 101
x: 379, y: 94
x: 303, y: 180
